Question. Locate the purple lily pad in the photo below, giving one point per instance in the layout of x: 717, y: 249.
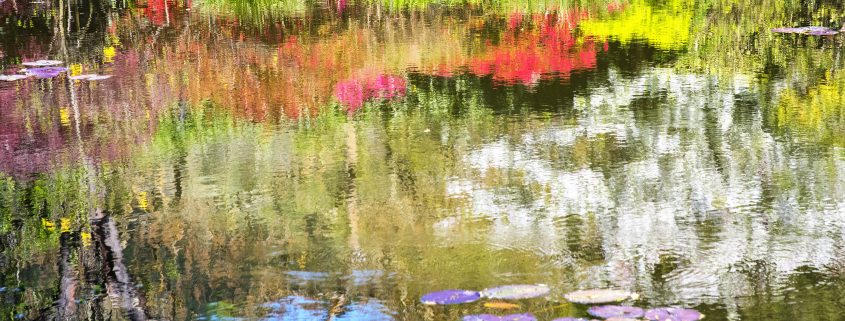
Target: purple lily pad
x: 493, y: 317
x: 609, y: 311
x: 673, y: 314
x: 42, y: 63
x: 450, y: 297
x: 572, y: 319
x: 518, y: 291
x: 45, y: 72
x: 599, y: 296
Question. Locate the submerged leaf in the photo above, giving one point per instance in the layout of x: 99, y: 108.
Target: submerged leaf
x: 450, y: 297
x: 518, y: 291
x: 673, y: 314
x: 500, y: 305
x: 599, y: 296
x: 509, y: 317
x: 609, y: 311
x: 42, y: 63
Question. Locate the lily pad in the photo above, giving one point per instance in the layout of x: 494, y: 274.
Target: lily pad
x: 493, y: 317
x: 99, y: 77
x: 827, y: 32
x: 500, y: 305
x: 450, y: 297
x: 788, y: 30
x: 673, y: 314
x: 609, y: 311
x: 599, y: 296
x: 572, y: 319
x: 90, y: 77
x: 621, y: 319
x: 45, y: 72
x: 12, y: 77
x: 811, y: 30
x: 518, y: 291
x: 42, y: 63
x: 82, y: 77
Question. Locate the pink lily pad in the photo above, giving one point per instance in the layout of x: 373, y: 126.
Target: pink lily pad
x: 450, y: 297
x: 609, y: 311
x: 673, y: 314
x: 518, y: 291
x: 493, y: 317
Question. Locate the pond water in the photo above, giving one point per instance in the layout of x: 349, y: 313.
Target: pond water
x: 337, y: 160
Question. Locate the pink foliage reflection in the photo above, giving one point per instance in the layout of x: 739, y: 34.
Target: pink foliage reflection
x: 353, y: 93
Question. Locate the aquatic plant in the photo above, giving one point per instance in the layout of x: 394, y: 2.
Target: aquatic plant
x: 450, y: 297
x: 609, y: 311
x: 493, y: 317
x: 673, y: 314
x: 518, y: 291
x: 599, y: 296
x: 42, y: 63
x: 812, y: 30
x: 45, y: 72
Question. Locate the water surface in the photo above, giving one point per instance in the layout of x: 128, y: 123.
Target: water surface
x: 336, y: 160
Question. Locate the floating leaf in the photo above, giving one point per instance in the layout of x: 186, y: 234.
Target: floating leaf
x: 788, y: 30
x: 599, y: 296
x: 518, y: 291
x: 572, y: 319
x: 509, y: 317
x: 42, y: 63
x: 45, y: 72
x: 811, y: 30
x: 500, y: 305
x: 827, y: 32
x: 90, y: 77
x: 12, y: 77
x: 99, y: 77
x: 621, y: 319
x: 450, y: 297
x: 82, y: 77
x: 673, y: 314
x: 609, y: 311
